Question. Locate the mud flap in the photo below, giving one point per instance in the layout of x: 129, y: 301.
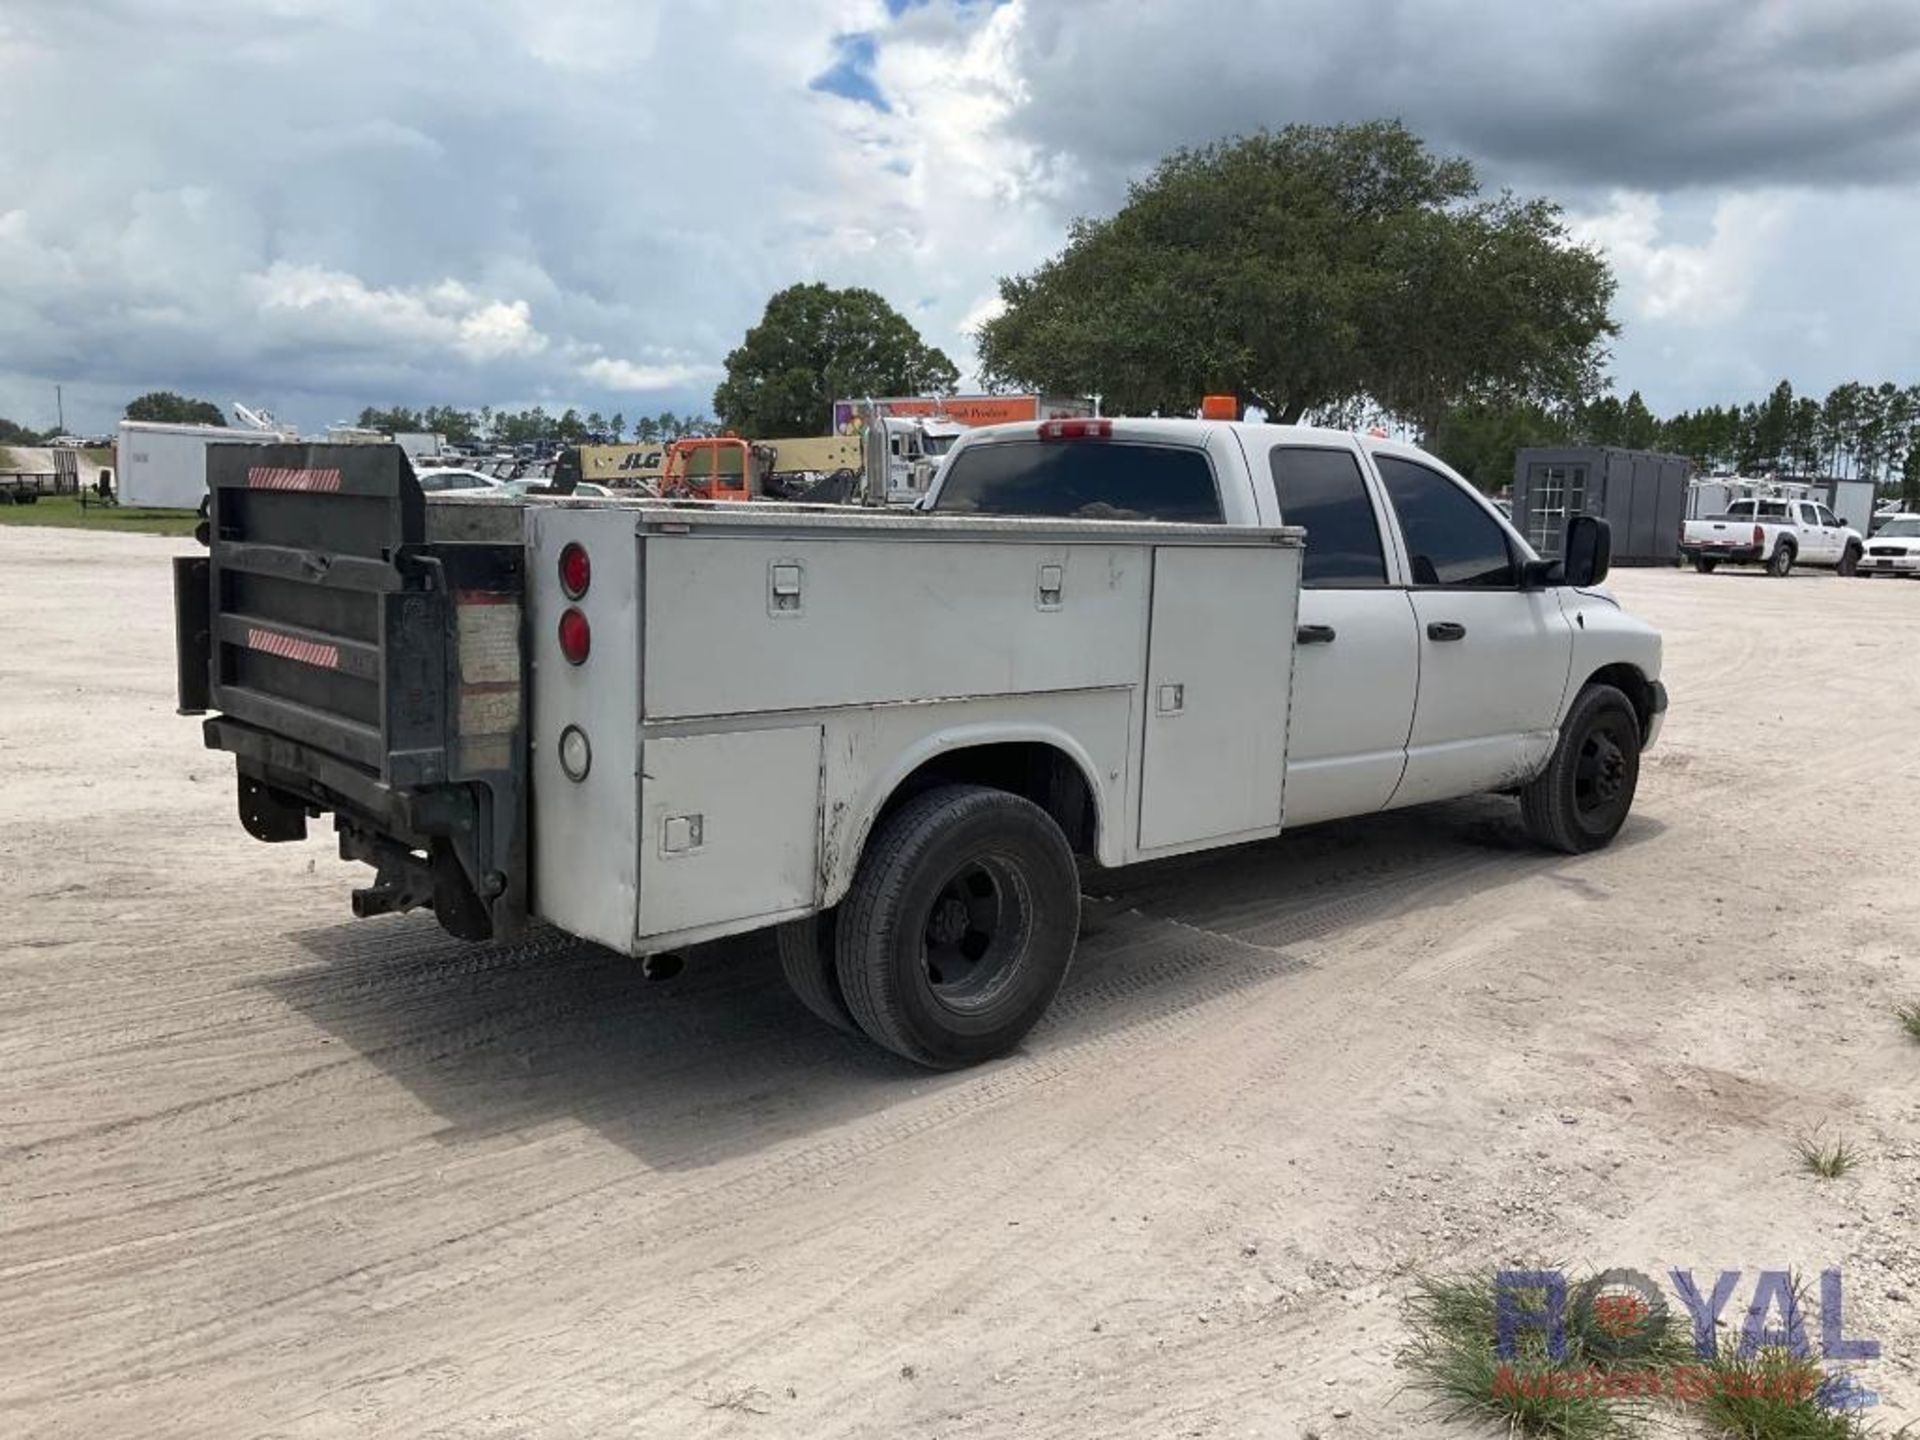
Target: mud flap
x: 268, y: 815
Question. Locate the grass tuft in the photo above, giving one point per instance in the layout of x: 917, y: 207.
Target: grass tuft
x: 1453, y: 1356
x: 1829, y: 1159
x: 1776, y: 1395
x: 1909, y: 1018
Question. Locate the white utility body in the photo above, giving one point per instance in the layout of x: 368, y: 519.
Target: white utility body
x: 892, y: 736
x: 762, y: 678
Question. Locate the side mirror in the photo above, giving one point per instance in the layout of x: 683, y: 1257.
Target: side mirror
x: 1539, y: 574
x: 1588, y: 551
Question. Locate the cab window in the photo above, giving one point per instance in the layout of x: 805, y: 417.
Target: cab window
x: 1827, y: 517
x: 1323, y: 490
x: 1082, y: 479
x: 1451, y: 539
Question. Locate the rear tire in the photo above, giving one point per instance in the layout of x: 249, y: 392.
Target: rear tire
x: 806, y: 958
x: 1850, y: 561
x: 1580, y: 801
x: 1705, y: 563
x: 959, y: 926
x: 1780, y: 563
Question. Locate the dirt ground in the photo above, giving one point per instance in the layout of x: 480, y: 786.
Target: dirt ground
x: 265, y: 1170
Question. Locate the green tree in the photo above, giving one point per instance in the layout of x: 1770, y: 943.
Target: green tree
x: 462, y: 427
x: 1910, y: 481
x: 617, y: 426
x: 15, y: 434
x: 1604, y: 422
x: 815, y: 345
x: 1480, y: 440
x: 1638, y: 429
x: 393, y: 420
x: 168, y: 408
x: 1306, y: 269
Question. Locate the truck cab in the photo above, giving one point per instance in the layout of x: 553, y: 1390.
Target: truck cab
x: 1437, y: 654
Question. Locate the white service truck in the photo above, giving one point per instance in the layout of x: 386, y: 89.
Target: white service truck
x: 1776, y: 531
x: 895, y: 736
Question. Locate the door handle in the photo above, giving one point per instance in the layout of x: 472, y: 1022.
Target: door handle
x: 1314, y: 634
x: 1446, y: 630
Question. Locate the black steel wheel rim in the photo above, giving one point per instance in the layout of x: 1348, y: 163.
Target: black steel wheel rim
x: 975, y: 934
x: 1603, y: 772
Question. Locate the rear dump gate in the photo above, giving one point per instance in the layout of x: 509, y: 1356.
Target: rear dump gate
x: 360, y: 669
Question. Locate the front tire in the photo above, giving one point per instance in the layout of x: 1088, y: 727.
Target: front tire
x: 1780, y: 563
x: 1850, y: 561
x: 1580, y: 801
x: 959, y: 926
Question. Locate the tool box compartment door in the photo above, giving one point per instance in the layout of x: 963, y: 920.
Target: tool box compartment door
x: 1219, y: 679
x: 729, y: 827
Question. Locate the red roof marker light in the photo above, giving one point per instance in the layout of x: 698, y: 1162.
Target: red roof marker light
x: 1078, y: 429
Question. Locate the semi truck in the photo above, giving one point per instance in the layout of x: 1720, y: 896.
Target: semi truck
x: 895, y: 738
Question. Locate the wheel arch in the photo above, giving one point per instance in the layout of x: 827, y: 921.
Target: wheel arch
x: 1630, y: 680
x: 1042, y: 764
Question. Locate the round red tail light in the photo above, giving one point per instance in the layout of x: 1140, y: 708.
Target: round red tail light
x: 576, y: 571
x: 576, y: 636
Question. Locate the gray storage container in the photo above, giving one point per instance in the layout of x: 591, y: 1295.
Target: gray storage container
x: 1641, y: 494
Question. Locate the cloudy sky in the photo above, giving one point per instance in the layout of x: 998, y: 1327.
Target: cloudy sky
x: 318, y: 204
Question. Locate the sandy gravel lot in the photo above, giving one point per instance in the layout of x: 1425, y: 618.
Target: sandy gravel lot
x: 265, y: 1170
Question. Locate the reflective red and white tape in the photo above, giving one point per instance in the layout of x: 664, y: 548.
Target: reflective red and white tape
x: 263, y: 477
x: 307, y: 652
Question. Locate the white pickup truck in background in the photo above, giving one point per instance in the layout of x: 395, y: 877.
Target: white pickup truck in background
x: 1776, y: 532
x: 895, y: 736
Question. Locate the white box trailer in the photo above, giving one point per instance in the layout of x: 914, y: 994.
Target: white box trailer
x: 420, y: 444
x: 1850, y: 499
x: 164, y: 467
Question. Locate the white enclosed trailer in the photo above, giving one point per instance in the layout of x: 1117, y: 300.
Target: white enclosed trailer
x: 420, y: 444
x: 164, y: 467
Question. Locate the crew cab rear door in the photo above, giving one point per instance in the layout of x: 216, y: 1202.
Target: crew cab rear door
x: 1494, y: 658
x: 1358, y: 661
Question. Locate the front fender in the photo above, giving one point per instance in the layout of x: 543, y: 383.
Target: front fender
x: 1604, y: 634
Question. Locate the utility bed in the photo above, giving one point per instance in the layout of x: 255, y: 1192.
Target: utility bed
x: 758, y: 684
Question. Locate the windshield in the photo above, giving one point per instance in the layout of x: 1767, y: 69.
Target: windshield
x: 1909, y: 527
x: 937, y: 444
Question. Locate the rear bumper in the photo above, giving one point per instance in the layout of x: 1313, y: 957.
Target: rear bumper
x: 1733, y: 554
x: 434, y: 846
